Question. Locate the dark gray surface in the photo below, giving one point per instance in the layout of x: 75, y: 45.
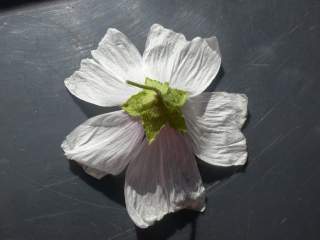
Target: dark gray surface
x: 271, y: 52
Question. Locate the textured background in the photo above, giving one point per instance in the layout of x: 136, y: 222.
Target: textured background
x: 270, y: 51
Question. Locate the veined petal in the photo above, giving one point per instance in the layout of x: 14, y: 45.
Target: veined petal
x: 186, y: 65
x: 105, y: 143
x: 102, y: 79
x: 163, y: 179
x: 214, y: 122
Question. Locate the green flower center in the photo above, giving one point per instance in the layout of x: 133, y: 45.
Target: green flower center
x: 157, y: 105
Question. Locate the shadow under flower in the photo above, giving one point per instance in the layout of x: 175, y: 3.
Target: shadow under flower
x: 216, y: 80
x: 111, y: 186
x: 213, y: 174
x: 169, y: 225
x: 90, y: 109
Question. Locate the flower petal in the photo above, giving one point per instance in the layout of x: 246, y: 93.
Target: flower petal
x: 98, y: 174
x: 163, y: 179
x: 214, y: 44
x: 102, y: 80
x: 105, y: 143
x: 214, y: 122
x: 186, y: 65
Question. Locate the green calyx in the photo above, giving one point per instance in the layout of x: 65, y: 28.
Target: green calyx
x: 157, y: 105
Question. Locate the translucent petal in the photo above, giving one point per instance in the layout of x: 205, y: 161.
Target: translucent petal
x: 186, y: 65
x: 214, y: 122
x: 105, y: 143
x: 163, y: 179
x: 102, y: 79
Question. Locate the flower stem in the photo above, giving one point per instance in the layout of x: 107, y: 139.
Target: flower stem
x: 144, y: 87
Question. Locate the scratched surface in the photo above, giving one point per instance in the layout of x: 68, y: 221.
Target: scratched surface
x: 271, y: 52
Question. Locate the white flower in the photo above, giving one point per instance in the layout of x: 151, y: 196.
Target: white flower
x: 163, y: 176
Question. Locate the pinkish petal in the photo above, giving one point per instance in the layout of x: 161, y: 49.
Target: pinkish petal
x: 164, y: 178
